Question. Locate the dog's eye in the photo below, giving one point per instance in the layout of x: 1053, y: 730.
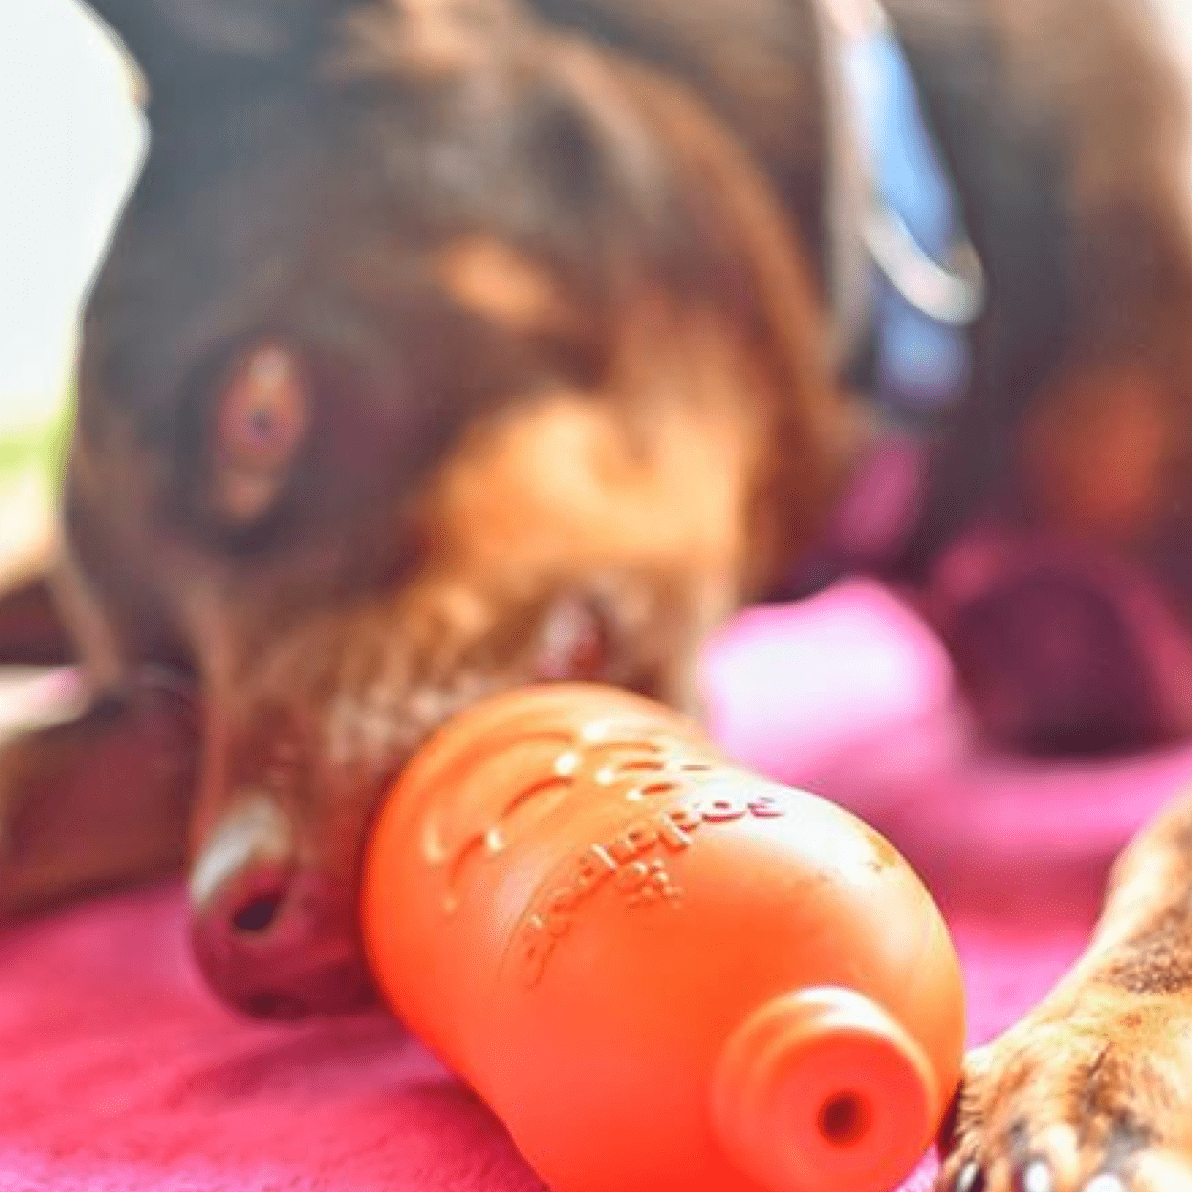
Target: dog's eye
x: 261, y: 420
x: 263, y: 411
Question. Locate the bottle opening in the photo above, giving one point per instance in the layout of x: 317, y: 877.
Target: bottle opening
x: 844, y: 1119
x: 822, y: 1088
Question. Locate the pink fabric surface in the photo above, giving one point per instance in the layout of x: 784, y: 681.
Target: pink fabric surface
x: 119, y: 1074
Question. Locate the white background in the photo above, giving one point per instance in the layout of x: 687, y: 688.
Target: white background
x: 70, y: 141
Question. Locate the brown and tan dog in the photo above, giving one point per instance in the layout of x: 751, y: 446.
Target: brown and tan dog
x: 449, y: 344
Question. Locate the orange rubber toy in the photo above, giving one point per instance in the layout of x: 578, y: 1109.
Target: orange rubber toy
x: 662, y: 973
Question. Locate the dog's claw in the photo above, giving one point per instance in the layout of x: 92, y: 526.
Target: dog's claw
x: 1076, y: 1099
x: 970, y: 1178
x: 1035, y: 1176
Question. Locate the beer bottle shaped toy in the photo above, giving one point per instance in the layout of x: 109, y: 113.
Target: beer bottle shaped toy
x: 662, y: 973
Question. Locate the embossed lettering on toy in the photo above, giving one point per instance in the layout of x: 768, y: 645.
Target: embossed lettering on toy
x: 467, y: 829
x: 620, y: 761
x: 621, y: 863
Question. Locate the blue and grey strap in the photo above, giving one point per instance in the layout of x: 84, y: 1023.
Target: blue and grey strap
x: 894, y: 222
x: 928, y: 282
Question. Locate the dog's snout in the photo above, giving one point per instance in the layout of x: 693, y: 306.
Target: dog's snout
x: 272, y: 936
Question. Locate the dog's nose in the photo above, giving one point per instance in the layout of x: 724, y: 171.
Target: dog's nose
x: 273, y: 938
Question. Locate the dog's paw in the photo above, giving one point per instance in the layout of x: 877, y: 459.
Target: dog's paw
x: 1095, y: 1098
x: 92, y: 795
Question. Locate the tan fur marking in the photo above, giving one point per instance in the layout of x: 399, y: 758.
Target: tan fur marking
x: 1099, y: 453
x: 497, y: 282
x: 572, y: 482
x: 439, y: 39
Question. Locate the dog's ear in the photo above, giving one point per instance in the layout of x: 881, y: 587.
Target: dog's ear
x: 176, y: 42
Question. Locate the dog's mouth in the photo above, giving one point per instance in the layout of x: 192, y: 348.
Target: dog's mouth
x: 274, y: 880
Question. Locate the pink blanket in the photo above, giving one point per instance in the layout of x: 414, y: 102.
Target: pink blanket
x: 119, y: 1074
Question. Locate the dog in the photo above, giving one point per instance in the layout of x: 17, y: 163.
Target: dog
x: 447, y: 345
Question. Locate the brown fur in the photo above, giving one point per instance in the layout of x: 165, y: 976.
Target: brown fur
x: 544, y: 289
x: 1096, y: 1079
